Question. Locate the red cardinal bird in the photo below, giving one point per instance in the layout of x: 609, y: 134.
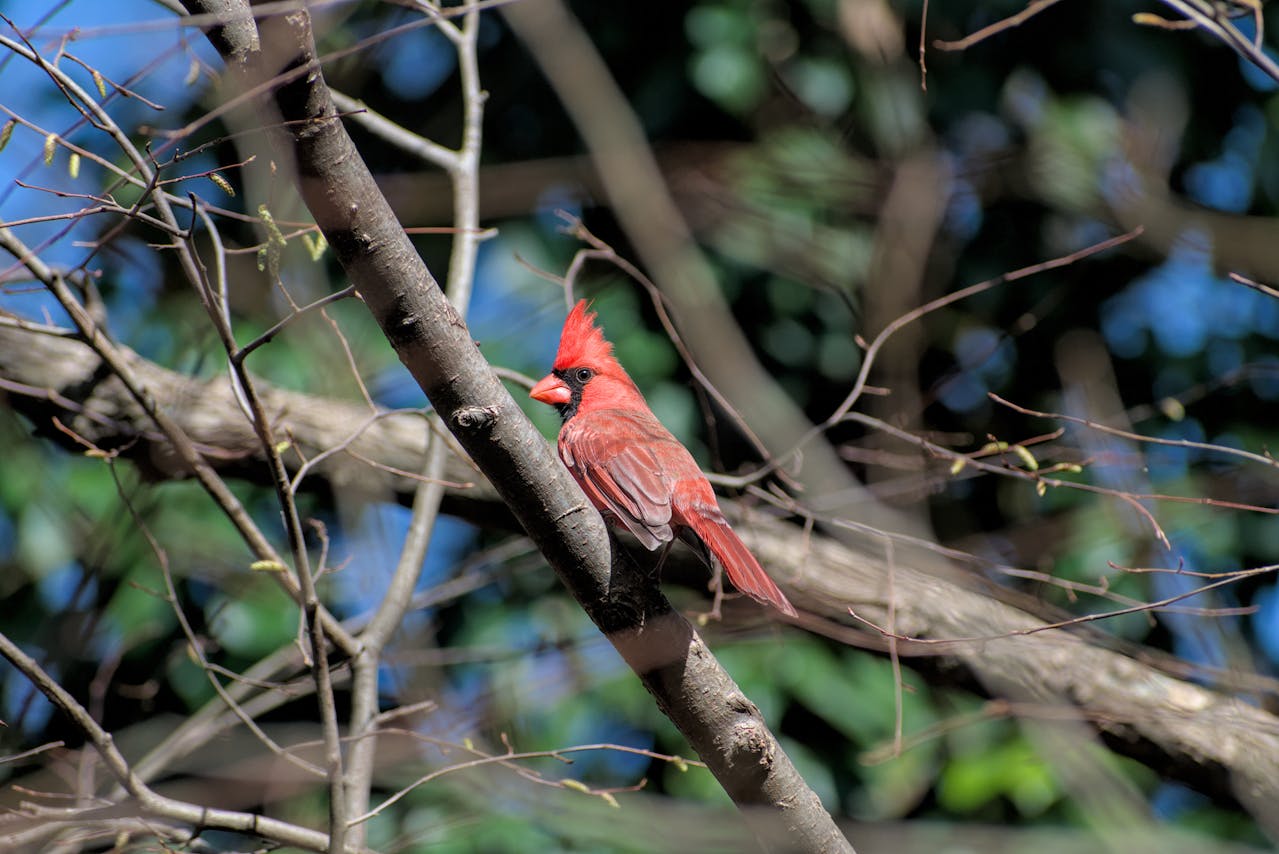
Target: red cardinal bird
x: 630, y: 466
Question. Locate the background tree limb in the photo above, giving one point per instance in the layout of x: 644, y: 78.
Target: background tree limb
x: 1215, y: 743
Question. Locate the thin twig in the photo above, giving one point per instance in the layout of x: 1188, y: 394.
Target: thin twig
x: 508, y: 759
x: 1155, y: 606
x: 1137, y: 437
x: 860, y: 386
x: 1256, y: 286
x: 1210, y: 17
x: 1033, y: 8
x: 923, y: 48
x: 193, y: 642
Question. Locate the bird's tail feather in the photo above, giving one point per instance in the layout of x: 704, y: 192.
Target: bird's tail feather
x: 742, y: 568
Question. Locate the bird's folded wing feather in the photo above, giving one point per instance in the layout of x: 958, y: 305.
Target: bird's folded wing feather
x: 622, y: 476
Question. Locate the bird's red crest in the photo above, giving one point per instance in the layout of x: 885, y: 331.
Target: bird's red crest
x: 581, y: 341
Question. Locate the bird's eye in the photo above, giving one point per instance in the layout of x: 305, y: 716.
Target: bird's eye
x: 584, y: 374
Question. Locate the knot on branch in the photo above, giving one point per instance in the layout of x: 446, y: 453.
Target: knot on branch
x: 474, y: 418
x: 751, y: 742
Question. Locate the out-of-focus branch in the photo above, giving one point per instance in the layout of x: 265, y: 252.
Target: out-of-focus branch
x: 402, y: 138
x: 1211, y: 17
x: 909, y: 220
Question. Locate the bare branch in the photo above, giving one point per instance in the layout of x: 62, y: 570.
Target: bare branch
x: 150, y: 802
x: 1033, y: 8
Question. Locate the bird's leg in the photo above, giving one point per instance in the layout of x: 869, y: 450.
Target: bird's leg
x: 716, y: 586
x: 661, y: 560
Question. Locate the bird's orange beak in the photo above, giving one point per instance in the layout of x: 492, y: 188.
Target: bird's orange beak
x: 551, y: 389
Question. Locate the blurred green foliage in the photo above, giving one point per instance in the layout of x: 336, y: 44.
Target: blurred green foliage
x: 796, y: 127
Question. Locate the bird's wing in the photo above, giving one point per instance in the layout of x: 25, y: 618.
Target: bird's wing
x: 624, y: 469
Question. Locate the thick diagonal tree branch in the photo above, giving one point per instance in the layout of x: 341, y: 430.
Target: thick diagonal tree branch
x: 433, y: 342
